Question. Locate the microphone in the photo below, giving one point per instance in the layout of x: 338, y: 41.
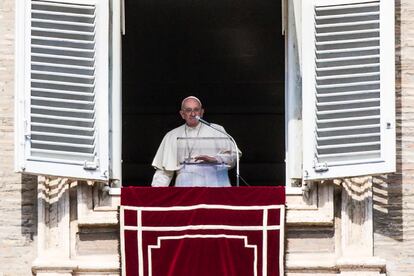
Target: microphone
x: 202, y: 121
x: 231, y: 139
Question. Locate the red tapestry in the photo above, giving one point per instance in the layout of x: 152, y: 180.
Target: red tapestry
x: 202, y: 231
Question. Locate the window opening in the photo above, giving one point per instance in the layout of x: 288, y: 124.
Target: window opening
x: 230, y: 54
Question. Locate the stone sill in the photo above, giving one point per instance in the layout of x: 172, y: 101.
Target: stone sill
x: 299, y: 218
x: 367, y: 263
x: 329, y: 263
x: 92, y: 263
x: 99, y: 220
x: 310, y: 261
x: 115, y: 191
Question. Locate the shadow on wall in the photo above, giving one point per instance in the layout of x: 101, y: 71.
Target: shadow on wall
x: 29, y: 207
x: 387, y: 189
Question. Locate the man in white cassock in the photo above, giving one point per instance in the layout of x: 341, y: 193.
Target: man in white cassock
x: 208, y: 170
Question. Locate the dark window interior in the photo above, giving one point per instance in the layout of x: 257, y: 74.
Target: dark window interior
x: 230, y: 54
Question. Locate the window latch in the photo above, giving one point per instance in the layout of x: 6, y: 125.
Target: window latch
x: 90, y: 166
x: 320, y: 167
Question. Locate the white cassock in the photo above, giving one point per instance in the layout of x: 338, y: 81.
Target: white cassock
x: 166, y: 160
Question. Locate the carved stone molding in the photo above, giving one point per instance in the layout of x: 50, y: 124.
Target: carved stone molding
x: 64, y: 247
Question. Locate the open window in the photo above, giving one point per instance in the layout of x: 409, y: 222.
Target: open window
x: 338, y: 100
x: 230, y: 54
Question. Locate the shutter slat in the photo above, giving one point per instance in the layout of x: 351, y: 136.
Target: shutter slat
x: 91, y: 51
x: 347, y: 58
x: 350, y: 154
x: 63, y: 153
x: 347, y: 111
x: 62, y: 83
x: 347, y: 102
x: 69, y: 123
x: 64, y: 51
x: 348, y: 93
x: 345, y: 7
x: 349, y: 76
x: 58, y: 160
x: 62, y: 31
x: 367, y: 158
x: 54, y: 91
x: 63, y: 67
x: 63, y: 57
x: 356, y: 66
x: 48, y: 139
x: 347, y: 119
x: 51, y: 73
x: 350, y: 137
x: 347, y: 84
x: 339, y: 42
x: 67, y: 14
x: 61, y: 40
x: 74, y: 128
x: 347, y: 24
x: 350, y: 50
x: 63, y: 135
x: 47, y: 64
x: 347, y: 33
x: 63, y: 100
x: 59, y: 22
x: 72, y: 145
x: 359, y: 157
x: 340, y: 16
x: 336, y: 146
x: 333, y: 129
x: 34, y: 115
x: 64, y: 109
x: 65, y: 5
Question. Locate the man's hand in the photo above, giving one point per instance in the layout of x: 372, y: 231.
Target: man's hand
x: 206, y: 159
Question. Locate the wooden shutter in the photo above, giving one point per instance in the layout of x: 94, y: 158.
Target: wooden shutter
x: 348, y: 88
x: 64, y: 99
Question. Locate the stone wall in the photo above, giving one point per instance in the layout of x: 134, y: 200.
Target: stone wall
x: 394, y: 195
x: 17, y: 194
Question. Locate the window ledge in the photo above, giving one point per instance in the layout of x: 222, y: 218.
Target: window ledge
x: 294, y: 191
x: 115, y: 191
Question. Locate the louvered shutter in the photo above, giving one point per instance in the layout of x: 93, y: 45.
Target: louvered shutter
x: 348, y: 88
x: 64, y: 99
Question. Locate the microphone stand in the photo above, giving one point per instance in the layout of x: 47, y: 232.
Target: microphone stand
x: 231, y: 139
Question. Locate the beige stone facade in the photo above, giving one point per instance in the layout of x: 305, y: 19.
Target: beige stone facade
x: 52, y: 228
x: 394, y: 195
x: 18, y: 224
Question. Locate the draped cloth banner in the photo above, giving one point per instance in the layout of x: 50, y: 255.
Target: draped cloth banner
x: 171, y: 231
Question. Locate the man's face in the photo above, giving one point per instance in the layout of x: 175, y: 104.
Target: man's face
x: 189, y: 110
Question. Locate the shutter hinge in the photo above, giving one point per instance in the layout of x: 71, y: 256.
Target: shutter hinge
x: 320, y: 167
x: 27, y: 135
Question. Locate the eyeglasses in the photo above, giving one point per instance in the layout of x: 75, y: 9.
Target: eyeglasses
x: 189, y: 110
